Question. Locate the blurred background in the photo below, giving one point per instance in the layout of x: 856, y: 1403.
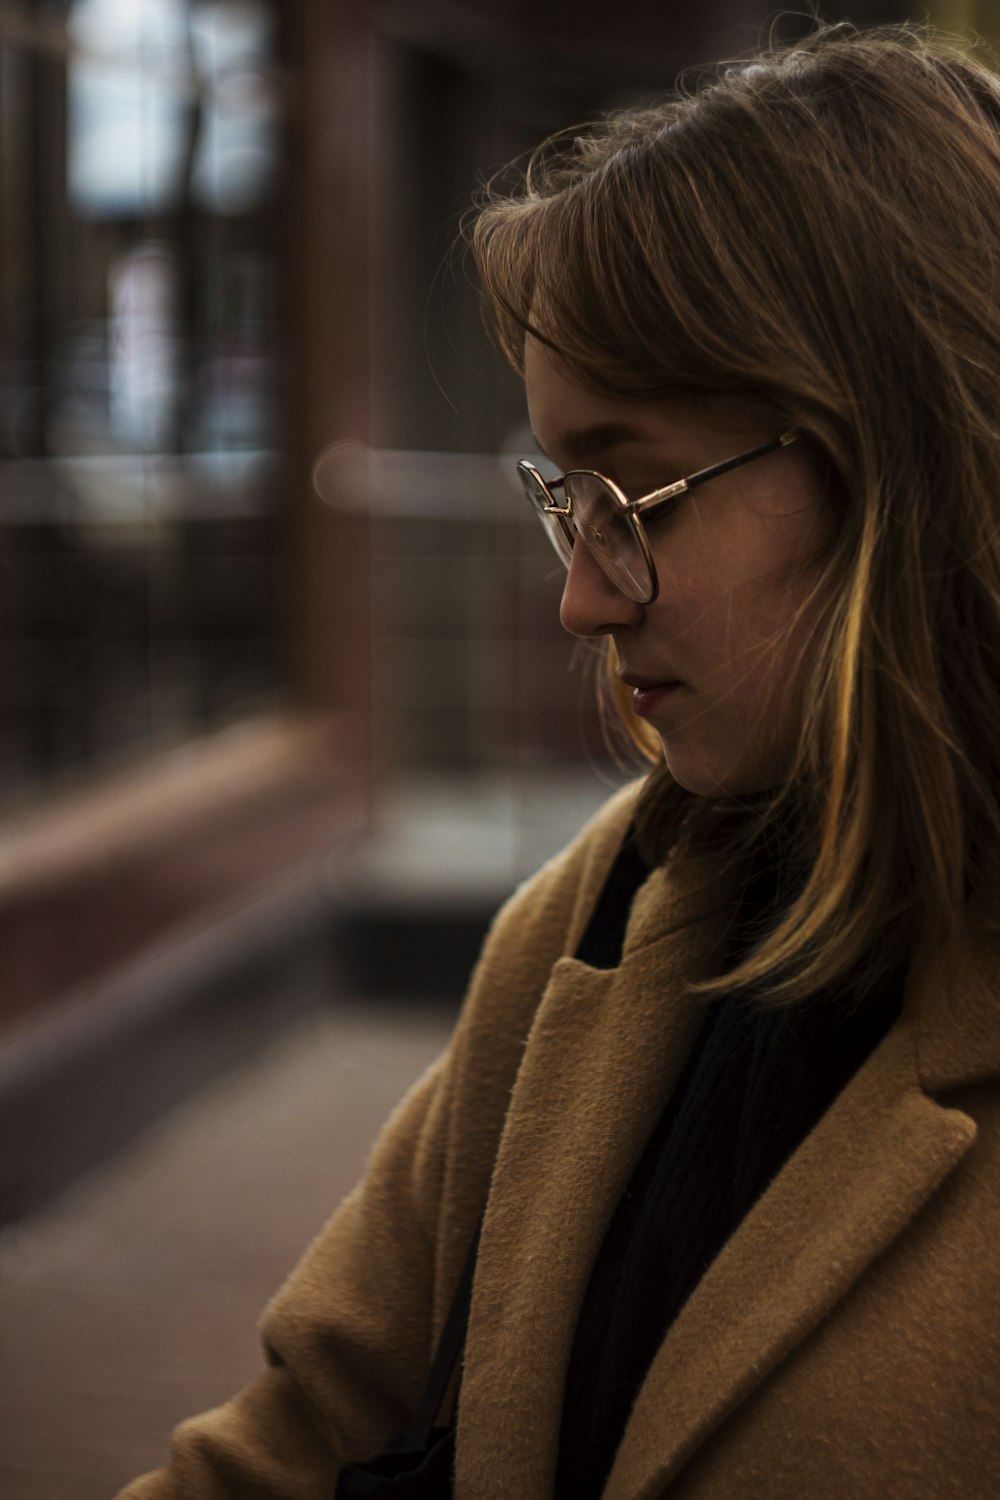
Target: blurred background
x: 285, y: 709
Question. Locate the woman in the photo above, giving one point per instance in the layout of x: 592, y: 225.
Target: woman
x: 727, y: 1080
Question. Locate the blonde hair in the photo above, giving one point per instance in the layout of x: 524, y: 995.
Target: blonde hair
x: 819, y: 226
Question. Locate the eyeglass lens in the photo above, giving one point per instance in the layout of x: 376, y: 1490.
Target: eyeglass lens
x: 599, y: 518
x: 610, y: 533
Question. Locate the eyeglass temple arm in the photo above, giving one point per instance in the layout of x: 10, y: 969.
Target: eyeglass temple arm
x: 682, y: 486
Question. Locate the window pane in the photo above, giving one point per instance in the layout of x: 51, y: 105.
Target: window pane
x: 141, y: 453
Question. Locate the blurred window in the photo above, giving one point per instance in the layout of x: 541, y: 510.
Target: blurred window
x: 141, y: 450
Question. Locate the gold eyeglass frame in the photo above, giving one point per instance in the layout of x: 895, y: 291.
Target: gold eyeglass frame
x: 532, y: 483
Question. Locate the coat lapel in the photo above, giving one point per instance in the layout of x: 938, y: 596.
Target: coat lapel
x: 601, y: 1058
x: 853, y: 1185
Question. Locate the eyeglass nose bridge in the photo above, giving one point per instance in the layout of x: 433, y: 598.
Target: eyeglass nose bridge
x: 562, y: 515
x: 548, y: 488
x: 551, y: 507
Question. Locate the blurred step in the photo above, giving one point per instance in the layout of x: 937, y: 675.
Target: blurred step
x: 411, y: 906
x: 408, y: 949
x: 399, y: 916
x: 82, y: 1082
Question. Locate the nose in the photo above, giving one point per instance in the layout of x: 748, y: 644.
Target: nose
x: 591, y: 604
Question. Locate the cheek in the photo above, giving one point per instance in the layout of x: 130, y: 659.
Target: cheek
x: 749, y: 649
x: 770, y: 581
x: 736, y: 596
x: 771, y: 672
x: 716, y: 621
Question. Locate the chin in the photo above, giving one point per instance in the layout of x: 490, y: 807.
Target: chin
x: 703, y: 779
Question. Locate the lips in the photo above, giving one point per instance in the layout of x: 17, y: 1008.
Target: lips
x: 643, y: 684
x: 649, y: 692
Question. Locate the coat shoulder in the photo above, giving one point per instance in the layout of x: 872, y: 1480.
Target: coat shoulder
x: 549, y: 910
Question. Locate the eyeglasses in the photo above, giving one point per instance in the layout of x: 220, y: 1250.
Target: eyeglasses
x: 610, y: 524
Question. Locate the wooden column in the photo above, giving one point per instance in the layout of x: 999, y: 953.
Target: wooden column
x: 327, y: 46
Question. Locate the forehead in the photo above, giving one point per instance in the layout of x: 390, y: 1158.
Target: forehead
x: 575, y: 425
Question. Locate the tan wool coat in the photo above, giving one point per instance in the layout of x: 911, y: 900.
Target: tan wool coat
x: 844, y: 1344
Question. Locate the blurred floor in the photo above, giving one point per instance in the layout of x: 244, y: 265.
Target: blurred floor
x: 401, y: 911
x: 132, y: 1302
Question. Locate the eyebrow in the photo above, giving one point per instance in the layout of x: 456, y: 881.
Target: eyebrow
x: 580, y: 443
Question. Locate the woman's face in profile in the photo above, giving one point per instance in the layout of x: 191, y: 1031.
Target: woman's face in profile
x: 738, y: 562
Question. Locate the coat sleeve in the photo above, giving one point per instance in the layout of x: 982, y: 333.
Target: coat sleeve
x: 345, y: 1340
x: 349, y: 1339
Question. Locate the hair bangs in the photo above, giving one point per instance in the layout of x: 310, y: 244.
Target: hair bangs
x: 578, y: 264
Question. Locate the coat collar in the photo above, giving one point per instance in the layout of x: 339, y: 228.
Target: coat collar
x: 602, y: 1055
x: 849, y: 1191
x: 954, y: 996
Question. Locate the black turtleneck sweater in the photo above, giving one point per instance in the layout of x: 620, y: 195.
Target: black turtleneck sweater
x: 753, y: 1087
